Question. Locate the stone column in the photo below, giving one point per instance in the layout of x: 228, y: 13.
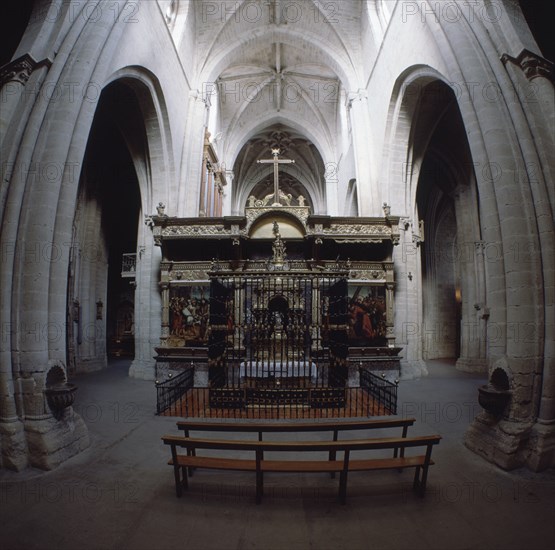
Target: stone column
x: 332, y: 204
x: 369, y: 199
x: 540, y: 74
x: 226, y: 195
x: 189, y: 195
x: 475, y: 311
x: 408, y: 306
x: 148, y: 307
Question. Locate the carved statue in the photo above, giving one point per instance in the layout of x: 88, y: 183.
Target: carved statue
x: 267, y: 199
x: 252, y: 200
x: 300, y: 200
x: 278, y: 247
x: 285, y: 198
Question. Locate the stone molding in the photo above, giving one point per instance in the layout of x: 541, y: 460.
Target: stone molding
x: 18, y: 70
x: 532, y: 65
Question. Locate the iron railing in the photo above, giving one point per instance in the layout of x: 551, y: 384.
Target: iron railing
x: 272, y: 403
x: 381, y: 389
x: 170, y: 392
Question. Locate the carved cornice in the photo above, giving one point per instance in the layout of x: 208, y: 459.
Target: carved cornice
x: 196, y: 231
x: 532, y: 65
x: 374, y: 275
x: 371, y: 272
x: 353, y: 232
x: 357, y: 229
x: 348, y: 230
x: 189, y: 275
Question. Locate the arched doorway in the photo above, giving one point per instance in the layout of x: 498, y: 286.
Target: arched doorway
x: 101, y: 278
x: 448, y: 233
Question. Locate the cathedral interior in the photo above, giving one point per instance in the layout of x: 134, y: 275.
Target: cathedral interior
x: 276, y: 210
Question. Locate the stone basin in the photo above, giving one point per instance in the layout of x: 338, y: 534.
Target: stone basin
x: 60, y: 397
x: 492, y: 399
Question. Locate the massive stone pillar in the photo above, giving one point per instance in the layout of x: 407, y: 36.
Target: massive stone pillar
x: 366, y: 176
x: 151, y: 306
x: 46, y: 146
x: 408, y: 304
x: 521, y: 350
x: 188, y: 200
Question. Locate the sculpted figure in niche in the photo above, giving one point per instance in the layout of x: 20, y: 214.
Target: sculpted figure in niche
x: 300, y: 200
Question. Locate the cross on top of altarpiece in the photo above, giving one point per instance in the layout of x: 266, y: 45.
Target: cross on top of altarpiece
x: 276, y: 162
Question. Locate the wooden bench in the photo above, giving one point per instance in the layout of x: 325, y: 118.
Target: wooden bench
x: 261, y: 428
x: 260, y: 465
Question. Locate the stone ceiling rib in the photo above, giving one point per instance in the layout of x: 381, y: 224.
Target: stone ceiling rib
x: 224, y: 56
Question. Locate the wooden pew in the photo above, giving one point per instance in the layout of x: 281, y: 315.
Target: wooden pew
x: 260, y: 465
x: 296, y: 427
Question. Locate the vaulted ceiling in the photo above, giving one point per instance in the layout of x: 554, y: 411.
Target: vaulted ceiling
x: 280, y: 68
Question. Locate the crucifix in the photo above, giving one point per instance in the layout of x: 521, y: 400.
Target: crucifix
x: 276, y: 162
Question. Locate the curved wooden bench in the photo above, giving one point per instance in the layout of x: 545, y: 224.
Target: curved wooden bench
x: 260, y: 465
x: 261, y: 428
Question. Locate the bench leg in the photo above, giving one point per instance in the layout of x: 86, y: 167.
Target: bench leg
x: 185, y: 483
x: 178, y: 484
x: 333, y: 454
x: 259, y: 486
x: 416, y: 482
x: 423, y: 479
x: 191, y: 452
x: 332, y: 457
x: 343, y: 487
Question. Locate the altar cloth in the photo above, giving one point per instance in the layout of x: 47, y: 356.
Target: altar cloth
x: 278, y: 369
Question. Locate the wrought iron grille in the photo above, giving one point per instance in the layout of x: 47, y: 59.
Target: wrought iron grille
x: 278, y: 348
x: 384, y: 391
x: 277, y: 331
x: 171, y: 392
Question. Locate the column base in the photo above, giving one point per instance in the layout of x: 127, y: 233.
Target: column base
x: 542, y: 447
x: 502, y: 442
x: 411, y: 369
x: 145, y: 370
x: 51, y: 442
x: 14, y: 447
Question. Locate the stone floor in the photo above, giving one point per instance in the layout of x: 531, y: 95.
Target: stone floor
x: 119, y: 494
